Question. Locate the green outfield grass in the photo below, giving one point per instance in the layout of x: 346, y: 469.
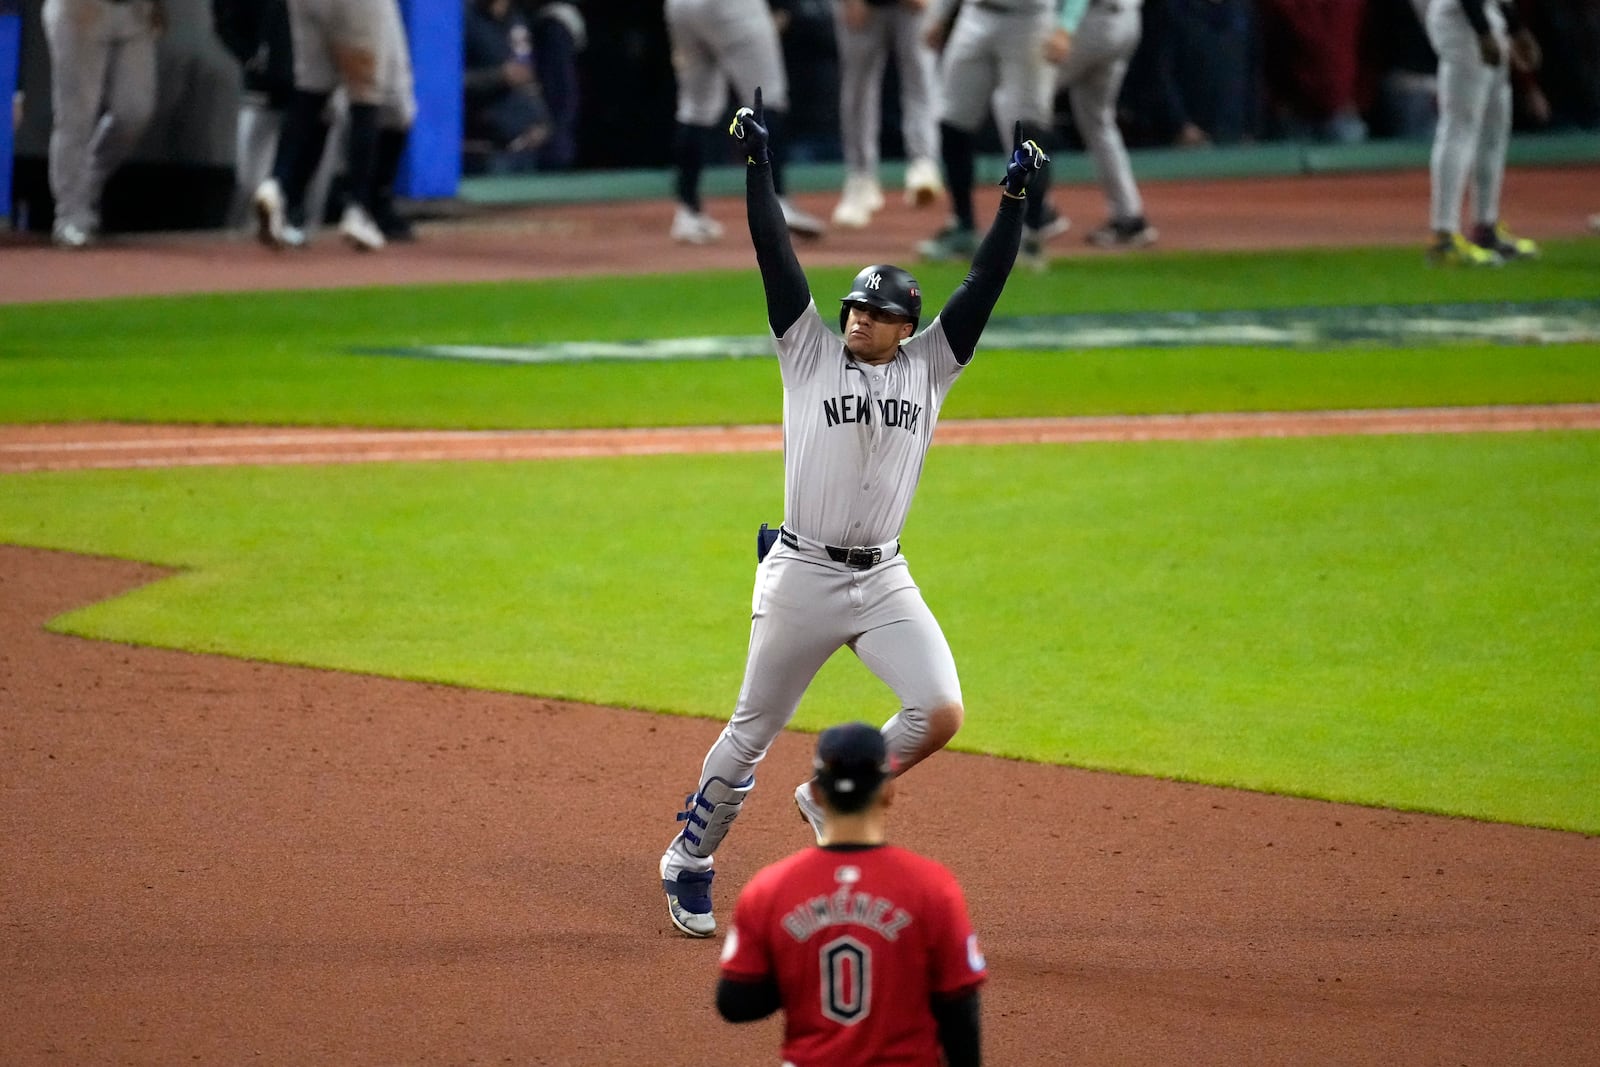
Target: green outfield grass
x: 1400, y: 621
x: 288, y: 357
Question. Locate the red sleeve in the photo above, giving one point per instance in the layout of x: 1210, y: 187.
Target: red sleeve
x: 746, y: 955
x: 958, y: 962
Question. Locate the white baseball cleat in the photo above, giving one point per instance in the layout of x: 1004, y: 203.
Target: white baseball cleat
x: 809, y: 810
x: 359, y: 230
x: 688, y: 898
x: 272, y: 226
x: 924, y: 184
x: 71, y: 235
x: 862, y: 196
x: 694, y: 227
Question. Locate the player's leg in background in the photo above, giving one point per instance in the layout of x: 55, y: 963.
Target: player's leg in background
x: 858, y: 34
x: 1489, y: 172
x: 917, y: 67
x: 1464, y: 85
x: 748, y: 49
x: 702, y: 96
x: 79, y: 54
x: 359, y: 35
x: 396, y: 115
x: 1489, y: 161
x: 130, y: 95
x: 966, y: 83
x: 1094, y: 71
x: 280, y: 200
x: 1027, y: 92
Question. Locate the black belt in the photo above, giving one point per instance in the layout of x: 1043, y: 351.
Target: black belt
x: 857, y: 559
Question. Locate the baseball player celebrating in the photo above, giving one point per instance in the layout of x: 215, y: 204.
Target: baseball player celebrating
x: 1092, y: 46
x: 1474, y: 40
x: 858, y: 419
x: 867, y: 948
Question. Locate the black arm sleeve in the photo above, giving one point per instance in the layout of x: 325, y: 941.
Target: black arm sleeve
x: 959, y: 1030
x: 781, y: 276
x: 745, y: 1002
x: 967, y: 312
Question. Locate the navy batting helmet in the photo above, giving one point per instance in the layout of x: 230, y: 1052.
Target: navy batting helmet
x: 886, y: 288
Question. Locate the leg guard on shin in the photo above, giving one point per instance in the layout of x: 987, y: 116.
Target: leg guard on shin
x: 708, y: 814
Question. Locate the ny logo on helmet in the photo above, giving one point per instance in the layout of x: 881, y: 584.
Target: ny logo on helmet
x: 875, y: 281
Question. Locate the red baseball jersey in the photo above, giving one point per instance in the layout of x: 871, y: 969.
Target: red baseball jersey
x: 858, y: 940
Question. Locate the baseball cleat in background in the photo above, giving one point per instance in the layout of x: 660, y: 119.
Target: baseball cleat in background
x: 1503, y: 242
x: 862, y: 196
x: 800, y: 224
x: 809, y: 811
x: 1052, y: 224
x: 955, y: 241
x: 72, y: 236
x: 924, y: 184
x: 1123, y: 233
x: 689, y: 899
x: 1456, y: 251
x: 272, y: 225
x: 359, y: 230
x: 694, y: 227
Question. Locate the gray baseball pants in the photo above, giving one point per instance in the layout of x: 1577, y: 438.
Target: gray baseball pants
x: 863, y: 55
x: 1474, y: 127
x: 102, y: 94
x: 1092, y: 73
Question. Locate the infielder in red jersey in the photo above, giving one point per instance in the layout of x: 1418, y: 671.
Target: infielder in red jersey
x: 867, y: 948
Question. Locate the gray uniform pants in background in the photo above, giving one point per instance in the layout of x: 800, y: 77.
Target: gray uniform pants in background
x: 1474, y: 127
x: 863, y: 56
x: 1092, y: 73
x: 994, y: 64
x: 715, y: 42
x: 102, y: 95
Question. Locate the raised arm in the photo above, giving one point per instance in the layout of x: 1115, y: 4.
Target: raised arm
x: 968, y: 310
x: 781, y: 276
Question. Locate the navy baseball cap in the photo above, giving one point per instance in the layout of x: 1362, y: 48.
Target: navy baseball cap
x: 852, y: 760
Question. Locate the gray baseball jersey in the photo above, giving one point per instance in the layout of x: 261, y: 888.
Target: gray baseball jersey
x: 1103, y: 41
x: 715, y: 42
x: 1474, y: 129
x: 859, y: 433
x: 102, y: 95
